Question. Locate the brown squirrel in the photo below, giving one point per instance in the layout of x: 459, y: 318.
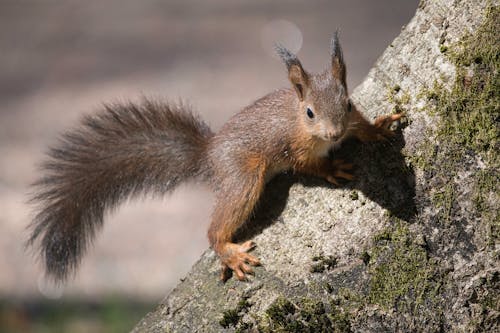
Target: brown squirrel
x: 128, y: 149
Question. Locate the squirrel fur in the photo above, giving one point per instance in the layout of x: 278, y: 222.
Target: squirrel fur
x: 130, y: 149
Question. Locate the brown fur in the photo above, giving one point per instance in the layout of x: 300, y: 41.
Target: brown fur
x: 130, y: 149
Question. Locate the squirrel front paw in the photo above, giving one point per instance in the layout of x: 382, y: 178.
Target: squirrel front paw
x: 234, y: 257
x: 340, y: 169
x: 385, y: 125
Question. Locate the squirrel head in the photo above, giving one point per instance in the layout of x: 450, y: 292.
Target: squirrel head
x: 323, y: 101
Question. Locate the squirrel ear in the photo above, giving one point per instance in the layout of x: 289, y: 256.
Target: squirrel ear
x: 296, y: 74
x: 338, y: 65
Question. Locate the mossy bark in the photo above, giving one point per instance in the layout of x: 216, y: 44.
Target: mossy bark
x: 412, y: 244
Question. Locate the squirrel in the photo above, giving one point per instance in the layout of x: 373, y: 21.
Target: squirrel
x: 130, y: 149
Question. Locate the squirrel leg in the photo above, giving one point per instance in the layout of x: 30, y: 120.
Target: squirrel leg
x: 365, y: 131
x: 232, y: 209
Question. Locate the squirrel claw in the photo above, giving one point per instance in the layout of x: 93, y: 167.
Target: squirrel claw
x: 236, y: 259
x: 340, y: 170
x: 386, y: 123
x: 247, y: 246
x: 385, y: 126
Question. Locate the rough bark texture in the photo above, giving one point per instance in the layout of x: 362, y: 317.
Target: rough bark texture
x: 412, y: 243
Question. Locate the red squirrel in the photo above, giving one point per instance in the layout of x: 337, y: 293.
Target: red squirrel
x: 129, y: 149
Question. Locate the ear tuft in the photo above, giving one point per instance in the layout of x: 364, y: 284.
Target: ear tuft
x: 338, y: 65
x: 296, y: 74
x: 288, y: 57
x: 335, y: 48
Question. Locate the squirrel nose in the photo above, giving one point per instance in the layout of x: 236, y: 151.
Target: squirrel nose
x: 333, y: 134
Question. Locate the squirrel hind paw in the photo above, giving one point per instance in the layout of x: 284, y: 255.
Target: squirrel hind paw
x: 238, y: 261
x: 239, y: 264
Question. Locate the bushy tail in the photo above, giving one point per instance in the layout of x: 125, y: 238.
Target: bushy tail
x: 121, y: 152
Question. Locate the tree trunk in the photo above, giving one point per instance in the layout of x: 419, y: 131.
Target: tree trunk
x: 412, y: 243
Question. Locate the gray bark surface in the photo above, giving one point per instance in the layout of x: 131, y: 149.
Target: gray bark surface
x: 303, y: 222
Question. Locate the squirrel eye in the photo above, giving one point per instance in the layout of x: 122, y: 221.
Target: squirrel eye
x: 349, y: 106
x: 310, y: 114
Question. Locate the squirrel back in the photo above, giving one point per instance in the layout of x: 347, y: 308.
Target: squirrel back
x: 121, y: 152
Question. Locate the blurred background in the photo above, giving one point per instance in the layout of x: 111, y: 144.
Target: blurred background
x: 60, y: 61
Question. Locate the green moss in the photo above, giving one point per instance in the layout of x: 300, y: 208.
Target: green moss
x: 354, y: 195
x: 444, y: 198
x: 350, y: 300
x: 480, y: 47
x: 400, y: 99
x: 401, y: 273
x: 365, y: 256
x: 486, y: 302
x: 328, y: 287
x: 280, y: 312
x: 304, y: 315
x: 383, y: 235
x: 471, y: 108
x: 468, y: 129
x: 486, y: 199
x: 244, y: 327
x: 232, y: 317
x: 322, y: 263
